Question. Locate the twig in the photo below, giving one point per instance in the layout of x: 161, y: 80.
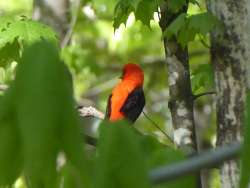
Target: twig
x: 202, y: 94
x: 90, y: 111
x: 194, y: 164
x: 155, y: 124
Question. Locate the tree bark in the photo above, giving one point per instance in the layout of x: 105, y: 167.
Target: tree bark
x: 248, y: 43
x: 181, y: 97
x: 54, y: 13
x: 229, y: 58
x: 180, y: 90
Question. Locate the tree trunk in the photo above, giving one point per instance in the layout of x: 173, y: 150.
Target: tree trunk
x: 181, y: 97
x: 180, y: 91
x: 54, y: 13
x: 229, y: 57
x: 248, y: 43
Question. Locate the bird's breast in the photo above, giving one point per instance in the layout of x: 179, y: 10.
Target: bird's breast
x: 119, y: 96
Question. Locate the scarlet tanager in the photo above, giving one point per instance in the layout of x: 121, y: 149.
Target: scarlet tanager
x: 127, y: 99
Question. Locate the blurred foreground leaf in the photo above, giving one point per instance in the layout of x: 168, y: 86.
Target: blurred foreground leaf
x: 44, y: 119
x: 120, y: 162
x: 157, y: 154
x: 11, y: 162
x: 245, y: 166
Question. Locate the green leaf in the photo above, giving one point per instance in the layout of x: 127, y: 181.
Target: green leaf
x: 176, y: 5
x: 120, y: 162
x: 10, y: 144
x: 185, y: 27
x: 202, y: 77
x: 26, y: 31
x: 47, y: 119
x: 157, y: 154
x: 71, y: 138
x: 245, y: 164
x: 176, y: 26
x: 10, y: 149
x: 70, y: 177
x: 5, y: 21
x: 169, y: 156
x: 9, y: 53
x: 38, y: 87
x: 122, y: 11
x: 185, y: 37
x: 145, y: 11
x: 202, y: 23
x: 195, y: 2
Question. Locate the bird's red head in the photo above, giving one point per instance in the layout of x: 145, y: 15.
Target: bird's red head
x: 133, y: 72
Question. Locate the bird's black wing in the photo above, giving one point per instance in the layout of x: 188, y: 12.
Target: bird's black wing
x: 108, y: 108
x: 134, y: 104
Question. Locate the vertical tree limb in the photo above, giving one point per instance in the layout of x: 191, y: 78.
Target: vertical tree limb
x: 181, y: 97
x: 248, y: 42
x: 180, y: 91
x: 229, y: 57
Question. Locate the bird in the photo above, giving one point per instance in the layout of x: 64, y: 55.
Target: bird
x: 127, y: 99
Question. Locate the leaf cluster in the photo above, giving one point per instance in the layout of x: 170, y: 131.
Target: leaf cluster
x: 144, y: 9
x: 17, y: 33
x: 184, y: 28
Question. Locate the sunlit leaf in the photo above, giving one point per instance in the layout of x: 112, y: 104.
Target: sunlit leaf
x: 195, y: 2
x: 145, y: 11
x: 26, y: 31
x: 122, y: 11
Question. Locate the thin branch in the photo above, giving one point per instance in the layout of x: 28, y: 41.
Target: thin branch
x: 203, y: 94
x: 90, y: 111
x: 155, y: 124
x: 194, y: 164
